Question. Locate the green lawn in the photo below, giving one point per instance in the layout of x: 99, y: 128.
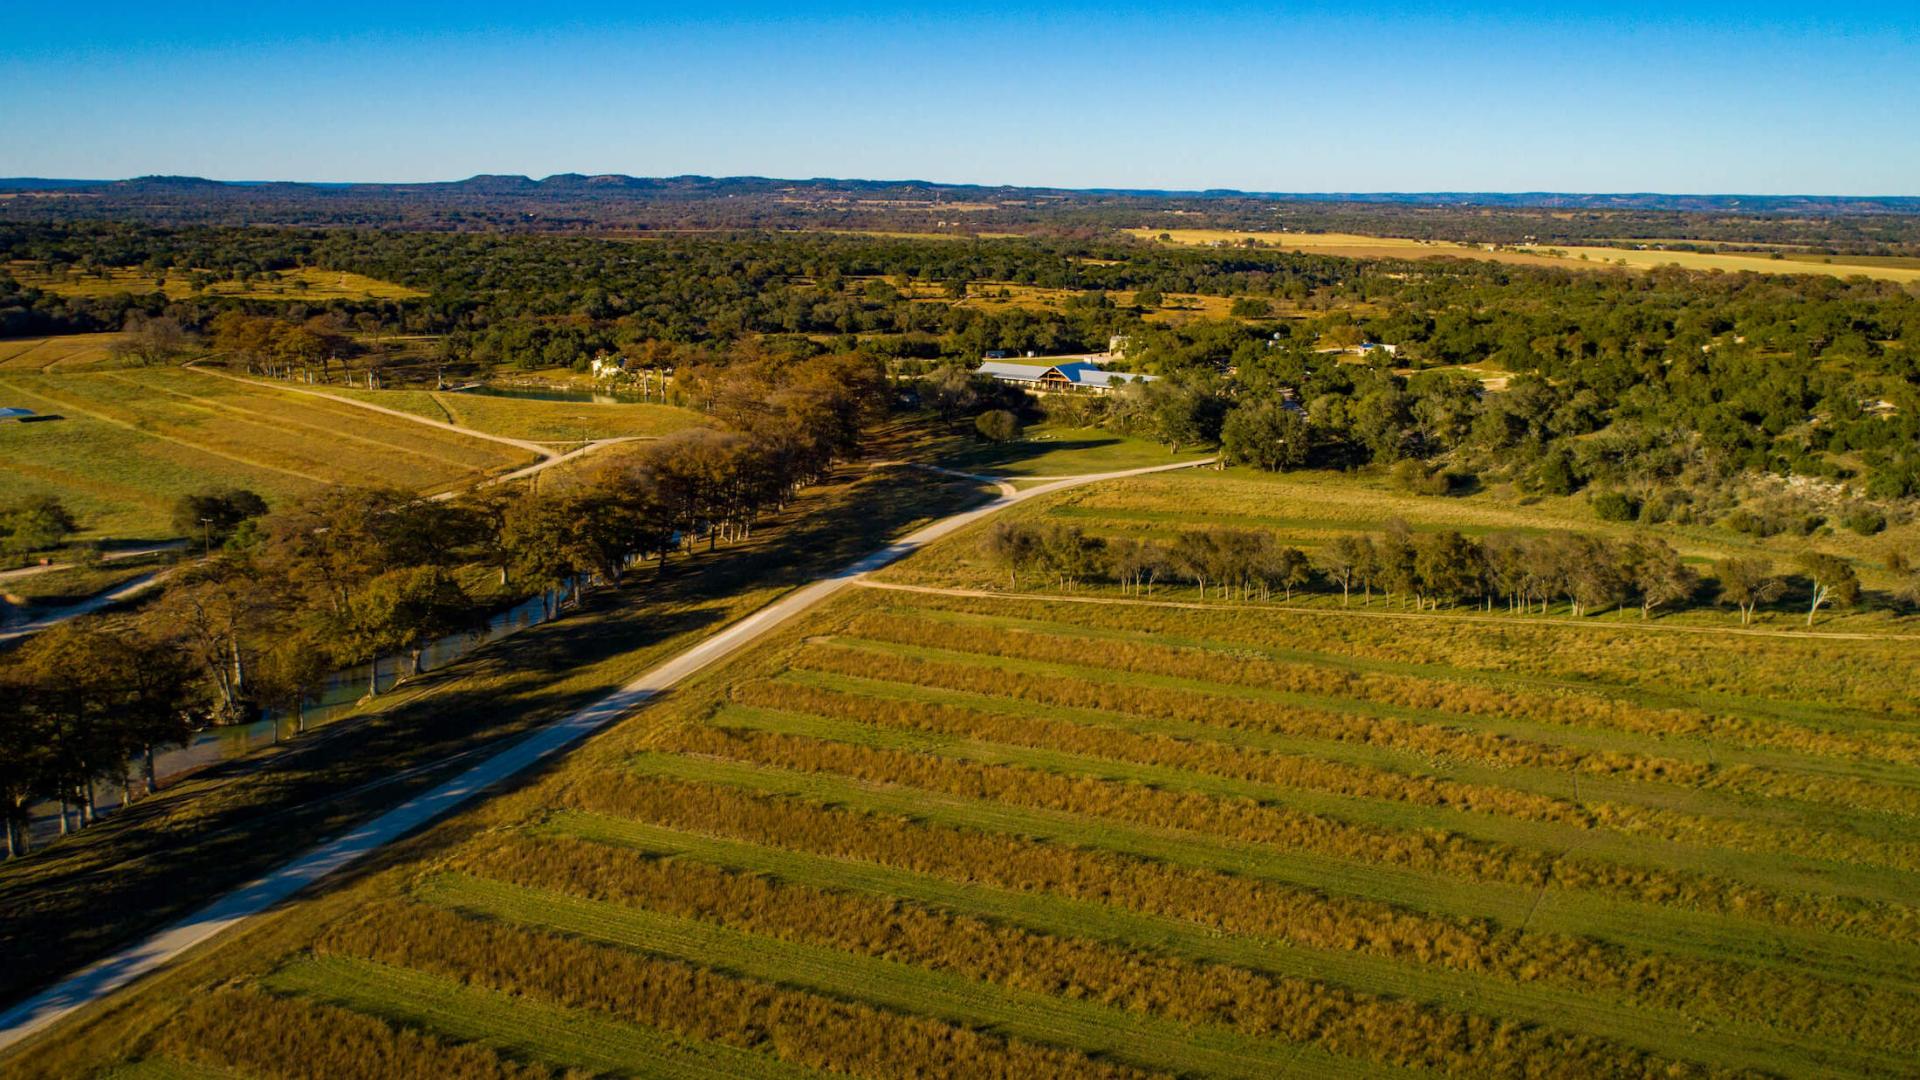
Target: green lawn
x: 127, y: 444
x: 1048, y: 450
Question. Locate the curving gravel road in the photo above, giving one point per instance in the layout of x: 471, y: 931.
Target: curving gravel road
x: 96, y: 981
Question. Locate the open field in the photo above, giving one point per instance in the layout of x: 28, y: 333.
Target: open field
x: 1053, y: 450
x: 130, y: 443
x: 63, y: 352
x: 541, y: 421
x: 1903, y: 270
x: 1019, y: 836
x: 1353, y: 246
x: 302, y: 283
x: 1349, y: 245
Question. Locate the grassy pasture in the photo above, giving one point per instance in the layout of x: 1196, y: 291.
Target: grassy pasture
x: 309, y: 283
x: 1028, y: 836
x: 541, y: 421
x: 129, y: 443
x: 1735, y: 262
x: 1353, y: 246
x: 1055, y: 450
x: 62, y: 352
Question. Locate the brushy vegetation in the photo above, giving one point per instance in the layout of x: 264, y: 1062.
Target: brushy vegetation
x: 1298, y: 1010
x: 805, y: 1028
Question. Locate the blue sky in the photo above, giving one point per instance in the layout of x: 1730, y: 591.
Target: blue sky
x: 1756, y: 97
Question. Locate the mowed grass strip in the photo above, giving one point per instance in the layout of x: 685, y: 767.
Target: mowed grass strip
x: 1546, y: 1014
x: 1378, y: 898
x: 1793, y: 679
x: 1130, y: 975
x: 288, y: 1037
x: 659, y: 974
x: 1694, y: 983
x: 1081, y: 1025
x: 1195, y: 760
x: 1206, y: 915
x: 1497, y: 743
x: 1523, y: 840
x: 1244, y: 665
x: 1436, y: 752
x: 517, y: 1024
x: 1596, y: 719
x: 1471, y: 847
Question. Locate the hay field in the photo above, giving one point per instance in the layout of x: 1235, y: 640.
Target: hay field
x: 558, y: 422
x: 62, y: 352
x: 922, y: 834
x: 130, y: 443
x: 309, y: 283
x: 1733, y: 262
x: 1353, y: 246
x: 1349, y: 245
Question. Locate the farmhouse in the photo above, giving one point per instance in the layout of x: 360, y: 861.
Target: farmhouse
x: 1062, y: 375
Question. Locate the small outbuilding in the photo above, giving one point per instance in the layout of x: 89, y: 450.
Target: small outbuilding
x: 14, y: 413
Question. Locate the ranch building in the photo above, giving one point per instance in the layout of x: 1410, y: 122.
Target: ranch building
x: 1065, y: 375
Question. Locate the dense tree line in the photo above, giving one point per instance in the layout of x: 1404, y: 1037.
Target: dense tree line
x: 1661, y: 382
x: 571, y: 203
x: 1424, y: 570
x: 354, y: 575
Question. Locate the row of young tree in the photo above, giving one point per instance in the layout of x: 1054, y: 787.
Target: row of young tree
x: 1421, y: 570
x: 351, y: 576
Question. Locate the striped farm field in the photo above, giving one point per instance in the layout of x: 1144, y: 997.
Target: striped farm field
x: 943, y: 832
x: 128, y: 443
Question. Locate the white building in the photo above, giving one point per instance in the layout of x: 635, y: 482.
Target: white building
x: 1060, y: 374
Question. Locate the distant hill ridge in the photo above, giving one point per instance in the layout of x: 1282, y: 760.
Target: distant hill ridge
x: 606, y: 185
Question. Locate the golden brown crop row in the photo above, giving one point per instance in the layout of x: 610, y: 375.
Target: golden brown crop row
x: 1570, y: 708
x: 292, y: 1038
x: 1293, y: 770
x: 809, y: 1029
x: 1242, y: 905
x: 1428, y: 851
x: 1433, y: 739
x: 1219, y: 759
x: 1388, y: 1031
x: 1865, y: 675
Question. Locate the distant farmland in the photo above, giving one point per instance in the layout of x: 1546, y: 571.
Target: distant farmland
x: 130, y: 442
x: 1020, y: 836
x: 302, y: 283
x: 1351, y: 246
x: 65, y: 352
